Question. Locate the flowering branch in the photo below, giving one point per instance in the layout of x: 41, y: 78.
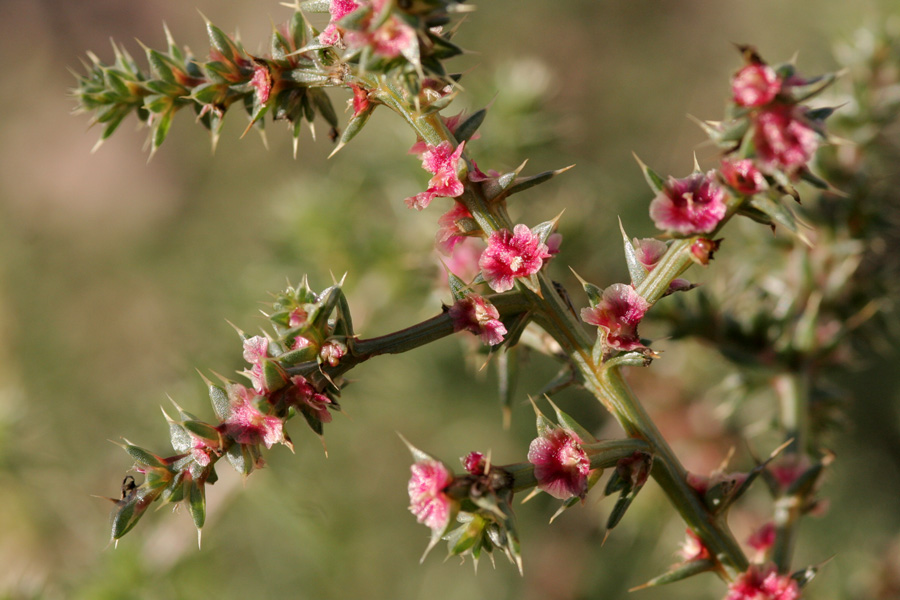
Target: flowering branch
x: 392, y: 54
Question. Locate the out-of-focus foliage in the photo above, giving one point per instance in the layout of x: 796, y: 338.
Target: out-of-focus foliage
x: 117, y: 278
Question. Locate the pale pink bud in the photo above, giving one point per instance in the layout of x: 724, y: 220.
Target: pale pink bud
x: 474, y: 463
x: 262, y: 82
x: 743, y: 177
x: 256, y: 353
x: 618, y: 314
x: 755, y: 85
x: 689, y: 206
x: 649, y: 251
x: 763, y: 538
x: 511, y: 255
x: 476, y: 314
x: 332, y: 352
x: 304, y: 393
x: 692, y: 548
x: 427, y: 499
x: 561, y: 466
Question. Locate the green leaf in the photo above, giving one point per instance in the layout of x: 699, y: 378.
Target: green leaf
x: 197, y: 502
x: 688, y: 569
x: 203, y: 430
x: 223, y: 44
x: 467, y: 128
x: 636, y: 270
x: 220, y: 402
x: 656, y: 183
x: 143, y: 457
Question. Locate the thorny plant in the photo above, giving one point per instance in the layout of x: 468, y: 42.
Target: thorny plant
x: 802, y: 319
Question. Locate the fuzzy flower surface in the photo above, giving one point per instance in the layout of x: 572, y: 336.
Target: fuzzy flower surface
x: 694, y: 204
x: 427, y: 499
x: 561, y: 466
x: 476, y: 314
x: 511, y: 255
x: 256, y: 351
x: 618, y: 313
x: 247, y: 425
x: 763, y: 584
x: 783, y: 140
x: 338, y: 9
x: 755, y: 85
x: 443, y: 161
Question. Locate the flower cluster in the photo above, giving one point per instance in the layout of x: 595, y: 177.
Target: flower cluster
x: 763, y: 583
x: 443, y: 161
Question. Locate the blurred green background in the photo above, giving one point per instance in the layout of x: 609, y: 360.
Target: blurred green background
x: 118, y: 276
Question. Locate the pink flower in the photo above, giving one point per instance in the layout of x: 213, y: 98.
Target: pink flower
x: 298, y: 317
x: 783, y: 140
x: 360, y: 99
x: 649, y: 251
x: 442, y: 160
x: 561, y: 467
x: 452, y: 231
x: 262, y: 82
x: 689, y: 206
x: 755, y: 85
x: 247, y: 425
x: 763, y: 583
x: 256, y: 353
x: 304, y: 393
x: 474, y: 463
x: 463, y: 262
x: 618, y: 314
x: 763, y: 538
x: 474, y: 313
x: 427, y: 499
x: 512, y: 255
x: 338, y: 9
x: 692, y: 548
x: 743, y: 177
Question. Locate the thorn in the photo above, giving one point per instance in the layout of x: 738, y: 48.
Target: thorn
x: 199, y: 539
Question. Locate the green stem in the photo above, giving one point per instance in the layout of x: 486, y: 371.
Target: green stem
x: 792, y: 389
x: 606, y: 384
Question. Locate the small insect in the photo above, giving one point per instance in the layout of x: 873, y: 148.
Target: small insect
x: 129, y: 488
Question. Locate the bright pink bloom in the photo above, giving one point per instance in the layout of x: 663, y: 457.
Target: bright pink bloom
x: 743, y: 177
x: 247, y: 425
x: 474, y: 463
x: 338, y: 9
x: 618, y: 314
x: 510, y: 255
x: 304, y: 393
x: 451, y: 231
x: 427, y: 499
x: 442, y: 160
x: 763, y: 538
x: 689, y: 206
x: 561, y: 467
x: 649, y: 251
x: 474, y: 313
x: 256, y: 353
x: 755, y: 85
x: 783, y: 140
x: 763, y: 583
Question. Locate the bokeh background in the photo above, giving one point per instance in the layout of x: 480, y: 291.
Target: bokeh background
x: 118, y: 275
